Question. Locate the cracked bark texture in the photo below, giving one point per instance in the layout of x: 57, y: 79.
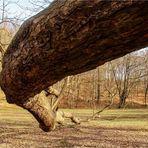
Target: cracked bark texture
x: 67, y: 38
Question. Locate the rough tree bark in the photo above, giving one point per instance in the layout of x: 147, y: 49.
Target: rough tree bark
x: 44, y: 107
x: 69, y: 37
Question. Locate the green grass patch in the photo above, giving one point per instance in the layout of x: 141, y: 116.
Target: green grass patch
x: 115, y: 118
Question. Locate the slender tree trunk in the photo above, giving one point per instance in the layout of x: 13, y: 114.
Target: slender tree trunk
x: 70, y: 37
x: 145, y: 94
x: 121, y: 103
x: 98, y: 86
x: 122, y: 98
x: 77, y: 90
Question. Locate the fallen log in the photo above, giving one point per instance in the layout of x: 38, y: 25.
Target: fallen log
x: 67, y: 38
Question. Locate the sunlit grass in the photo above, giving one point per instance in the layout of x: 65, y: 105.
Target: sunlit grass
x: 114, y: 118
x: 124, y: 118
x: 132, y: 124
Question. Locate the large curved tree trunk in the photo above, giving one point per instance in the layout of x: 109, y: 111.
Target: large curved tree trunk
x: 70, y: 37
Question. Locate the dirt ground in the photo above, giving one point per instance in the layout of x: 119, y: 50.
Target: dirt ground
x: 70, y: 136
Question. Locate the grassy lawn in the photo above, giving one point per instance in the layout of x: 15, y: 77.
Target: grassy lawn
x: 127, y: 118
x: 115, y: 118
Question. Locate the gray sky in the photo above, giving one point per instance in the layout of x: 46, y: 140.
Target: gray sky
x: 21, y: 8
x: 18, y: 8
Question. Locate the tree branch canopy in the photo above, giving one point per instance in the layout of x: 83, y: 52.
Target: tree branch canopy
x: 70, y: 37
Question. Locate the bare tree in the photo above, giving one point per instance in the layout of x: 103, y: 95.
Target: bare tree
x: 126, y: 72
x: 7, y: 18
x: 146, y: 77
x: 8, y: 25
x: 97, y: 89
x: 146, y: 91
